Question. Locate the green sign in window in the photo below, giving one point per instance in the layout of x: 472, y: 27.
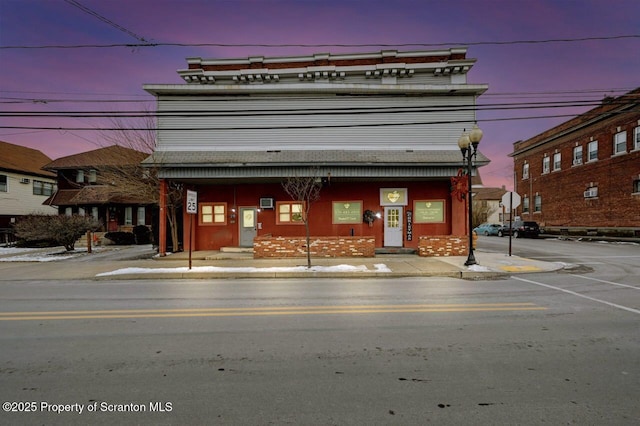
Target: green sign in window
x: 428, y: 211
x: 347, y: 212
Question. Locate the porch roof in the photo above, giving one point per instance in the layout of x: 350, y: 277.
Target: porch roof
x: 89, y: 195
x: 278, y: 164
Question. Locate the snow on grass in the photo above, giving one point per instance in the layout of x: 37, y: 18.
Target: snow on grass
x: 48, y: 254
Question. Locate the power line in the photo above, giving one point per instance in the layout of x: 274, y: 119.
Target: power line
x: 317, y: 111
x: 320, y: 45
x: 318, y: 126
x: 105, y: 20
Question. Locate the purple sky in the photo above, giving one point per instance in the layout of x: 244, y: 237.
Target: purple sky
x: 515, y: 72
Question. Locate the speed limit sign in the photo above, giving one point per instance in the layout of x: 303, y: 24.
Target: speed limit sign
x: 192, y: 202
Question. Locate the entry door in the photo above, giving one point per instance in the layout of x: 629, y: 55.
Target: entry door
x: 248, y: 226
x: 393, y: 226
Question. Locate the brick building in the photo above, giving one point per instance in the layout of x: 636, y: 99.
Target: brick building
x: 583, y: 176
x: 82, y: 189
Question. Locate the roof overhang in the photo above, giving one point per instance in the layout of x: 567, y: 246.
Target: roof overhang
x: 276, y: 165
x: 316, y: 88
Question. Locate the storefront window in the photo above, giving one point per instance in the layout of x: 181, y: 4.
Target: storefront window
x: 289, y: 213
x: 213, y: 214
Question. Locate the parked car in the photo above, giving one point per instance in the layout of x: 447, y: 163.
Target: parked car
x: 520, y: 228
x: 487, y: 229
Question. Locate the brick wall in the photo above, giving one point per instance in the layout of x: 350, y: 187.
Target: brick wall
x: 268, y: 246
x: 562, y: 191
x: 443, y: 245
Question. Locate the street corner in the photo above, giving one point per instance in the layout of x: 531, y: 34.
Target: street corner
x: 514, y: 264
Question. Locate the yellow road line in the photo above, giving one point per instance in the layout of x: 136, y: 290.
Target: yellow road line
x: 265, y: 311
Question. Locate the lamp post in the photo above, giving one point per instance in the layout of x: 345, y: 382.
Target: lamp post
x: 468, y: 144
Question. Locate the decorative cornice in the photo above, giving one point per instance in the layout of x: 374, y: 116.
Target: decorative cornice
x: 325, y: 66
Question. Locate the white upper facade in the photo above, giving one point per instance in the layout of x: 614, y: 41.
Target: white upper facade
x: 388, y: 100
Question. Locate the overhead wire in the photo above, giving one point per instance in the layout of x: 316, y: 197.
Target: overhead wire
x: 322, y: 45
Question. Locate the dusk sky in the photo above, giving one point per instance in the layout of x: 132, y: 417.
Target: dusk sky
x: 599, y: 57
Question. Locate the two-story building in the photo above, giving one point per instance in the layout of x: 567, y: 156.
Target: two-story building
x: 584, y: 175
x: 23, y: 185
x: 380, y: 130
x: 83, y: 189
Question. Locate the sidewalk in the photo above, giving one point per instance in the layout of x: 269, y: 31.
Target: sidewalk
x: 215, y: 264
x: 140, y: 262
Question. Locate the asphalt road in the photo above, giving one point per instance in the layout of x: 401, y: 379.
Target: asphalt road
x: 557, y: 348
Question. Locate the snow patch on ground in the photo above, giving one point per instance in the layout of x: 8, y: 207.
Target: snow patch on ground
x: 379, y: 267
x: 479, y: 268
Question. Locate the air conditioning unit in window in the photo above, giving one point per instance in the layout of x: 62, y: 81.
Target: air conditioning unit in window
x: 24, y: 180
x: 266, y: 203
x: 591, y: 193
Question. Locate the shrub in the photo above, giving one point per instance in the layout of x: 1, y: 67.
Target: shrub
x: 121, y: 238
x: 142, y: 234
x: 64, y: 230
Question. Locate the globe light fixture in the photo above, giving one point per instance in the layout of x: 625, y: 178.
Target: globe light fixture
x: 468, y: 144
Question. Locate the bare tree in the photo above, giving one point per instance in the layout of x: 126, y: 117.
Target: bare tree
x: 481, y: 212
x: 130, y: 179
x: 307, y: 191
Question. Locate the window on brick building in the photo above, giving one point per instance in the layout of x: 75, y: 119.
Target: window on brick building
x: 636, y: 138
x: 525, y: 171
x: 636, y: 186
x: 213, y: 214
x: 592, y: 149
x: 289, y: 213
x: 591, y: 192
x: 620, y: 143
x: 525, y: 204
x: 577, y: 155
x: 537, y: 207
x: 557, y: 161
x: 546, y: 163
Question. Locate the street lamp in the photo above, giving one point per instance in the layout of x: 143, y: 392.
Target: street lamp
x: 468, y: 144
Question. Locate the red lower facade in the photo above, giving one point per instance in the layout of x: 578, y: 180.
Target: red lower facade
x: 232, y: 215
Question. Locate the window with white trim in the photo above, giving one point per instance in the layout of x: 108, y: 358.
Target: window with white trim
x: 620, y: 143
x: 636, y: 138
x: 525, y: 171
x: 80, y: 176
x: 557, y: 161
x: 289, y: 213
x: 42, y: 188
x: 213, y: 214
x: 592, y: 151
x: 636, y: 186
x: 546, y: 164
x: 3, y: 183
x: 142, y: 214
x: 128, y: 215
x: 525, y: 204
x: 537, y: 203
x: 577, y: 155
x: 94, y: 213
x: 591, y: 192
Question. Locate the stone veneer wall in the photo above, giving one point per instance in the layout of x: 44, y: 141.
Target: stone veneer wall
x: 269, y: 246
x: 444, y: 245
